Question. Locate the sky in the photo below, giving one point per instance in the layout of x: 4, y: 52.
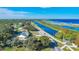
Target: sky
x: 39, y: 12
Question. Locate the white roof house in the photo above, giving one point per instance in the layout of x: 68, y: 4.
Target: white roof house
x: 23, y: 36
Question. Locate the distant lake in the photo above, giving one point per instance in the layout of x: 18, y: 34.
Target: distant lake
x: 74, y: 21
x: 58, y: 22
x: 69, y: 27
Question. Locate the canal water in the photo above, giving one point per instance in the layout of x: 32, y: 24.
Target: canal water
x: 46, y: 29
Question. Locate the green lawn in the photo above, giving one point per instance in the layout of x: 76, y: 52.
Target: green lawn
x: 16, y: 49
x: 48, y: 49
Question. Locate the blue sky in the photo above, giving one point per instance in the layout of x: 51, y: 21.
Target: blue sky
x: 39, y: 13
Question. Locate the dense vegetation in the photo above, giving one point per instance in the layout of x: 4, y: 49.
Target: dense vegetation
x: 8, y: 41
x: 38, y: 44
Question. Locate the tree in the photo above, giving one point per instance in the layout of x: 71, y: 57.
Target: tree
x: 70, y: 36
x: 67, y: 35
x: 6, y: 34
x: 45, y: 41
x: 35, y: 44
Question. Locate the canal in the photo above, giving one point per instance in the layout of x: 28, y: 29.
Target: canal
x: 46, y: 29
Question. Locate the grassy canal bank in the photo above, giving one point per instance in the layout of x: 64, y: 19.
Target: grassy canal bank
x: 70, y: 35
x: 55, y: 27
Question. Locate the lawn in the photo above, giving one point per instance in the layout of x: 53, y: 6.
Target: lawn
x: 16, y: 49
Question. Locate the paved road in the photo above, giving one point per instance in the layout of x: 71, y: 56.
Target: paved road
x: 53, y: 38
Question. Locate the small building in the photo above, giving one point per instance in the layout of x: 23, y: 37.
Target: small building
x: 22, y: 35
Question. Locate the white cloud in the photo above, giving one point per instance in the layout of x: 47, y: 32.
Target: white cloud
x: 45, y: 7
x: 9, y: 14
